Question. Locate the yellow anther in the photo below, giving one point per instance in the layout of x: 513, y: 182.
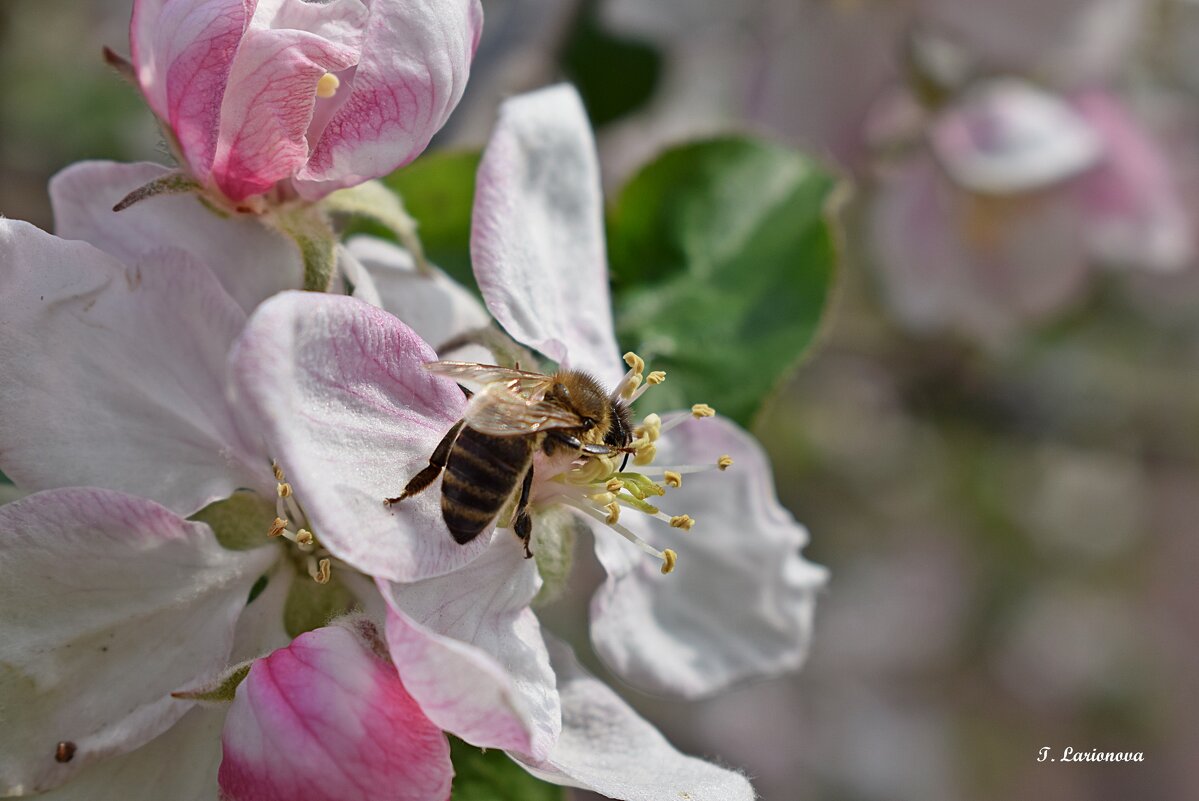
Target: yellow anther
x: 682, y: 521
x: 635, y: 362
x: 613, y: 513
x: 277, y: 527
x: 656, y: 377
x: 702, y: 410
x: 630, y: 386
x: 593, y: 471
x: 673, y: 479
x: 320, y: 571
x: 645, y: 454
x: 278, y: 471
x: 304, y: 537
x: 327, y: 86
x: 724, y: 462
x: 284, y: 489
x: 650, y: 428
x: 669, y: 557
x: 603, y: 498
x: 614, y: 485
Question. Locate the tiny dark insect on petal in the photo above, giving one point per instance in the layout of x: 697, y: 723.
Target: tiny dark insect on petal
x: 65, y: 751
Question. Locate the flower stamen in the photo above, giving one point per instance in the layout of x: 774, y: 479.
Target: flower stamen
x: 327, y: 86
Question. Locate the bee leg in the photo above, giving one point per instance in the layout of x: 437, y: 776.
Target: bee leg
x: 437, y: 463
x: 522, y: 523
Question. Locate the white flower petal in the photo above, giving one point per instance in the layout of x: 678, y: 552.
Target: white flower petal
x: 470, y: 650
x: 252, y: 261
x: 110, y: 602
x: 608, y: 748
x: 1009, y: 136
x: 115, y: 375
x: 180, y: 765
x: 435, y: 306
x: 740, y: 602
x: 337, y: 392
x: 537, y: 238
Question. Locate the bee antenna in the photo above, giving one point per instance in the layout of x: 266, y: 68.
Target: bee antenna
x: 625, y: 462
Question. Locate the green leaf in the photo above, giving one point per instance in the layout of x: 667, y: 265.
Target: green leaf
x: 614, y: 74
x: 438, y: 190
x: 492, y: 776
x: 723, y: 256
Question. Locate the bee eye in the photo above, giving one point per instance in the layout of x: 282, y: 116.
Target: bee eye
x: 588, y: 422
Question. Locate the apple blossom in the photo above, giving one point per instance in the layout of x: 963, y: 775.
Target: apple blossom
x: 337, y: 389
x: 307, y: 97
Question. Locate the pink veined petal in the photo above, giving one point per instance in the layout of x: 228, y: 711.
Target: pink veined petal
x: 252, y: 261
x: 415, y: 61
x: 183, y: 51
x: 608, y: 748
x: 537, y: 238
x: 336, y: 390
x: 471, y: 652
x: 180, y: 765
x: 110, y: 602
x: 328, y: 719
x: 740, y: 602
x: 115, y: 375
x: 1135, y: 214
x: 271, y: 95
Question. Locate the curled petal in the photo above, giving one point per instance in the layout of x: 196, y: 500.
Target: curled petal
x: 741, y: 600
x: 271, y: 96
x: 608, y: 748
x: 111, y: 603
x: 415, y: 60
x: 336, y: 390
x: 117, y: 373
x: 537, y: 238
x: 327, y: 719
x: 471, y: 652
x: 252, y: 261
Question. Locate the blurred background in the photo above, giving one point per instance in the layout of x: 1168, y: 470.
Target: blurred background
x: 995, y: 443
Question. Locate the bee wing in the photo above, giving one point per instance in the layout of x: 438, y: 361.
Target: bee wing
x: 500, y: 412
x: 476, y: 377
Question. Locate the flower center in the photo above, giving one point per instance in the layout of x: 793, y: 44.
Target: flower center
x: 602, y: 489
x: 292, y: 523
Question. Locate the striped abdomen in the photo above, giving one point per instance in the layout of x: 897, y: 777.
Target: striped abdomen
x: 481, y: 474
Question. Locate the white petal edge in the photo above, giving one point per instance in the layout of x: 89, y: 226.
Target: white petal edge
x: 537, y: 238
x: 608, y: 748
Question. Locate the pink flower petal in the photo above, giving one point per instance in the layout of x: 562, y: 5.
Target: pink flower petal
x: 272, y: 90
x: 252, y: 261
x: 471, y: 652
x: 117, y: 373
x: 183, y: 52
x: 110, y: 602
x: 608, y: 748
x: 740, y: 602
x: 1132, y: 202
x: 415, y: 60
x: 328, y: 719
x: 337, y: 391
x: 538, y: 233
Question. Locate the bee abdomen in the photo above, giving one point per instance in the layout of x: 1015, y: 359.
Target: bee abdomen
x: 481, y: 475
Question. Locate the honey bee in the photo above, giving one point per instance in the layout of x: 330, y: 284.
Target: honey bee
x: 510, y: 416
